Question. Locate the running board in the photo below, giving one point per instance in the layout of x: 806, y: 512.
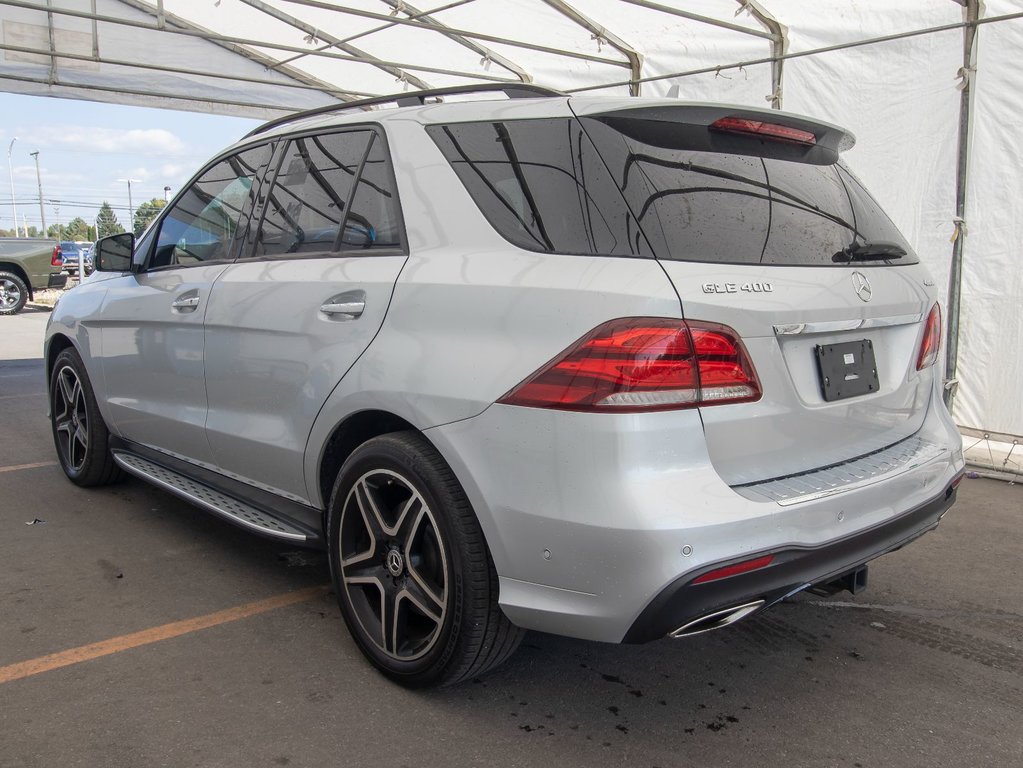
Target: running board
x: 208, y: 498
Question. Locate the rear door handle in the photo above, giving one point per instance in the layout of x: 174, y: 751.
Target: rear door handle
x: 345, y: 306
x: 186, y: 302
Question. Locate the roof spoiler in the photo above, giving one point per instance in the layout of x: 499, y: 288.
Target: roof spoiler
x: 730, y: 119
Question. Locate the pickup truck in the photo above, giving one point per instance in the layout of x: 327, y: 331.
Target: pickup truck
x: 27, y: 265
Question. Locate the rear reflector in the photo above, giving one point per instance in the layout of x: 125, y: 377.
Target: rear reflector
x: 773, y: 131
x: 931, y: 343
x: 640, y: 364
x: 735, y: 570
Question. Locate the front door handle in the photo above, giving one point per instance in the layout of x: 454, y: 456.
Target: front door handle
x: 345, y: 306
x: 187, y: 302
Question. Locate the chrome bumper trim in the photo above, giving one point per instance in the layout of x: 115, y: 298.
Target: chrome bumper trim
x: 847, y: 476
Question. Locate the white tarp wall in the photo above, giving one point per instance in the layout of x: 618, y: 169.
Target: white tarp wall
x: 899, y: 98
x: 991, y: 333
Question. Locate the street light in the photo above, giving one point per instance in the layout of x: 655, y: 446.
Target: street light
x: 39, y: 181
x: 10, y: 169
x: 131, y: 208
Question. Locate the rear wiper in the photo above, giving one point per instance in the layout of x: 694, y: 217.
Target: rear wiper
x: 869, y: 252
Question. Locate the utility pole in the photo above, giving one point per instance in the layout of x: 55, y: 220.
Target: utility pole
x: 131, y: 208
x: 39, y: 181
x: 10, y: 169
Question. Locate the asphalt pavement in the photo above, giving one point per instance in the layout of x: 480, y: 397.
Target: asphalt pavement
x: 138, y: 631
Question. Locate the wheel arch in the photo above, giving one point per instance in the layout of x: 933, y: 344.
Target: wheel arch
x: 56, y: 344
x: 349, y: 434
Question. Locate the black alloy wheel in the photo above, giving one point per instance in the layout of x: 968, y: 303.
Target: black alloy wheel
x: 411, y: 569
x: 79, y: 433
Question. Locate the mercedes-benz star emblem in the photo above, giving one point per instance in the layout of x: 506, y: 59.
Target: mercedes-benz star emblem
x: 861, y: 285
x: 394, y: 563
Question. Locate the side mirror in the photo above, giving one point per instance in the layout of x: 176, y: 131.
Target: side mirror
x: 113, y: 253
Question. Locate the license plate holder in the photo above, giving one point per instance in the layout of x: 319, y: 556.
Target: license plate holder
x: 847, y: 369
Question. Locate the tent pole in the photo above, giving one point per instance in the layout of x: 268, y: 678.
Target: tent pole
x: 649, y: 4
x: 797, y: 55
x: 972, y: 11
x: 314, y: 34
x: 602, y: 34
x: 779, y: 46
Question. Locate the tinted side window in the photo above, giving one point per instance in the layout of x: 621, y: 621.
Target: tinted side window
x: 373, y: 220
x: 210, y: 220
x: 542, y: 186
x: 307, y: 204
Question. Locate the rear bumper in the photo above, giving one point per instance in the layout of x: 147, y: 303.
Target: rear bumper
x: 792, y: 569
x: 593, y: 519
x: 58, y: 280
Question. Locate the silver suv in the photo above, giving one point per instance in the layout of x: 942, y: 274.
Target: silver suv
x: 616, y: 369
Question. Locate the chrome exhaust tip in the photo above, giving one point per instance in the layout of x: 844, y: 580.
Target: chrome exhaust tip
x: 717, y: 619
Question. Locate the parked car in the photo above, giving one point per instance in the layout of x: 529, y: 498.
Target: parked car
x: 75, y: 256
x: 616, y: 369
x: 27, y: 264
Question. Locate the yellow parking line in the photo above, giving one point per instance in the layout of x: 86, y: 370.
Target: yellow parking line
x: 16, y: 467
x: 153, y: 635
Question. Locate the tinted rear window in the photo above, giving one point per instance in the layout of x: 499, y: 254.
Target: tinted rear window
x: 542, y: 185
x: 698, y: 205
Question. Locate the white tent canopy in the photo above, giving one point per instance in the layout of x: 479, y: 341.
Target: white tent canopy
x: 908, y: 94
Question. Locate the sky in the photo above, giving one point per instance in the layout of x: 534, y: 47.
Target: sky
x: 85, y: 148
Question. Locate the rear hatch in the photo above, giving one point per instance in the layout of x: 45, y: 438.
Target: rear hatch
x: 760, y: 228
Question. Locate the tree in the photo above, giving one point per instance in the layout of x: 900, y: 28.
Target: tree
x: 145, y: 213
x: 106, y: 222
x: 78, y: 229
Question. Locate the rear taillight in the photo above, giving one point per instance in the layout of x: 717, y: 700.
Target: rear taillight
x: 931, y: 344
x: 56, y: 259
x: 644, y: 364
x: 773, y: 131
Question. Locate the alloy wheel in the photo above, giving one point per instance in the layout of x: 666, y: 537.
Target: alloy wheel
x: 393, y: 565
x: 71, y: 418
x: 10, y: 294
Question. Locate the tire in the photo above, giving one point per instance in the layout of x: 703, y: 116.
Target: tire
x: 79, y: 433
x: 13, y: 293
x: 411, y: 570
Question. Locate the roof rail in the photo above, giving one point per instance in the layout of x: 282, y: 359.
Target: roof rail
x: 414, y: 98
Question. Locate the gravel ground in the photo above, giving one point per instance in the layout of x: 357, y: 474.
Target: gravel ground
x: 47, y: 297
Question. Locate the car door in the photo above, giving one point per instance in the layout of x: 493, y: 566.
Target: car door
x: 152, y: 321
x: 284, y: 324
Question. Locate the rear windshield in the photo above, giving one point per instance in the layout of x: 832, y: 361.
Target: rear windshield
x: 699, y: 205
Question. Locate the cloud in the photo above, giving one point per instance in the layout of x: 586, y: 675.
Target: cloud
x: 26, y: 175
x: 146, y: 141
x: 173, y: 170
